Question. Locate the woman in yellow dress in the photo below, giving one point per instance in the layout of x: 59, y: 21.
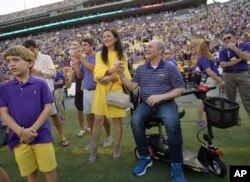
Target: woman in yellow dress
x: 106, y: 77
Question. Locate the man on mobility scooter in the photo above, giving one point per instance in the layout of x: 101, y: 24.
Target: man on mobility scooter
x: 160, y: 83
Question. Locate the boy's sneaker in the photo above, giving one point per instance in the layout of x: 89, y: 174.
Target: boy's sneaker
x: 177, y: 172
x: 142, y: 165
x: 107, y: 142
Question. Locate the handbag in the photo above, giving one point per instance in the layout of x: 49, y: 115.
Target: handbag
x: 118, y: 99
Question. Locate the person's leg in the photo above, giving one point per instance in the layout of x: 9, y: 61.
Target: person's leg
x: 168, y: 113
x: 51, y: 176
x: 200, y: 111
x: 118, y: 137
x: 91, y: 120
x: 59, y: 127
x: 46, y: 160
x: 244, y: 90
x: 79, y: 105
x: 26, y: 160
x: 230, y: 85
x: 106, y: 125
x: 34, y: 177
x: 80, y: 119
x: 59, y: 94
x: 4, y: 176
x: 142, y: 112
x: 108, y: 140
x: 95, y: 136
x: 87, y: 105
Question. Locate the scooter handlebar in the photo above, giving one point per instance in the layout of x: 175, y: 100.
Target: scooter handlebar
x: 199, y: 89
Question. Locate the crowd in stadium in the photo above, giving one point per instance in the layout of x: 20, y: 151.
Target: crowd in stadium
x: 177, y: 32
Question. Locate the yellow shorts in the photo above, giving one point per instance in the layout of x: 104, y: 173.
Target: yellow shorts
x: 37, y: 156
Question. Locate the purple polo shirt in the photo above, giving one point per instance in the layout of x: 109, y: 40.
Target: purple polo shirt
x: 226, y: 54
x: 25, y: 103
x: 88, y: 79
x: 204, y: 63
x: 160, y: 80
x: 59, y: 76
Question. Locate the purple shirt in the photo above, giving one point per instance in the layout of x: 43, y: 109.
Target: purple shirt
x: 25, y: 103
x: 88, y: 79
x: 172, y: 61
x: 160, y: 80
x: 226, y: 54
x: 205, y: 63
x: 59, y: 76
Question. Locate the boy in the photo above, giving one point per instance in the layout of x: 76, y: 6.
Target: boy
x: 25, y: 104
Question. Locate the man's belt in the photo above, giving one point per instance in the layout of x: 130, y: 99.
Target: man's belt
x: 90, y: 89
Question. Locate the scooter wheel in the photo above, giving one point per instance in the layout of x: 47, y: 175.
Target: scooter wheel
x: 218, y: 168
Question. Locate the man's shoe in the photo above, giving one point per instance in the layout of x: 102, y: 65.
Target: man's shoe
x: 177, y: 172
x: 142, y: 165
x: 107, y: 142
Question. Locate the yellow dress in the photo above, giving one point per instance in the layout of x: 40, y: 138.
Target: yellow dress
x: 99, y: 106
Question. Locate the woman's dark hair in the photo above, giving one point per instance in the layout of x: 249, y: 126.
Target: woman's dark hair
x: 118, y: 47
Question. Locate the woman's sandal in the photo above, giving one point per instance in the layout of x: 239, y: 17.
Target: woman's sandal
x: 202, y: 124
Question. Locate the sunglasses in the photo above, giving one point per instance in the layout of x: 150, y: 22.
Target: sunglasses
x: 227, y: 38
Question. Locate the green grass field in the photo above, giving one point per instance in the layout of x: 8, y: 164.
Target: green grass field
x: 73, y: 160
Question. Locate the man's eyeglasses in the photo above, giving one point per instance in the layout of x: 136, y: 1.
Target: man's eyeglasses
x: 227, y: 38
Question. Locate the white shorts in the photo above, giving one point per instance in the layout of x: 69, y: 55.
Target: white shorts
x: 88, y: 96
x: 53, y: 109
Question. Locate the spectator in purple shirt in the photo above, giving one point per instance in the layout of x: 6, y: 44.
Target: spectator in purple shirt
x: 233, y: 59
x: 207, y: 66
x: 169, y: 57
x: 25, y: 104
x: 59, y: 82
x: 160, y: 83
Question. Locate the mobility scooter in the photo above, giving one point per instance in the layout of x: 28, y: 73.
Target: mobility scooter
x: 220, y: 112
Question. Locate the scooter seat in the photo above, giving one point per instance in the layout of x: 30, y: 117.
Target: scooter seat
x: 154, y: 122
